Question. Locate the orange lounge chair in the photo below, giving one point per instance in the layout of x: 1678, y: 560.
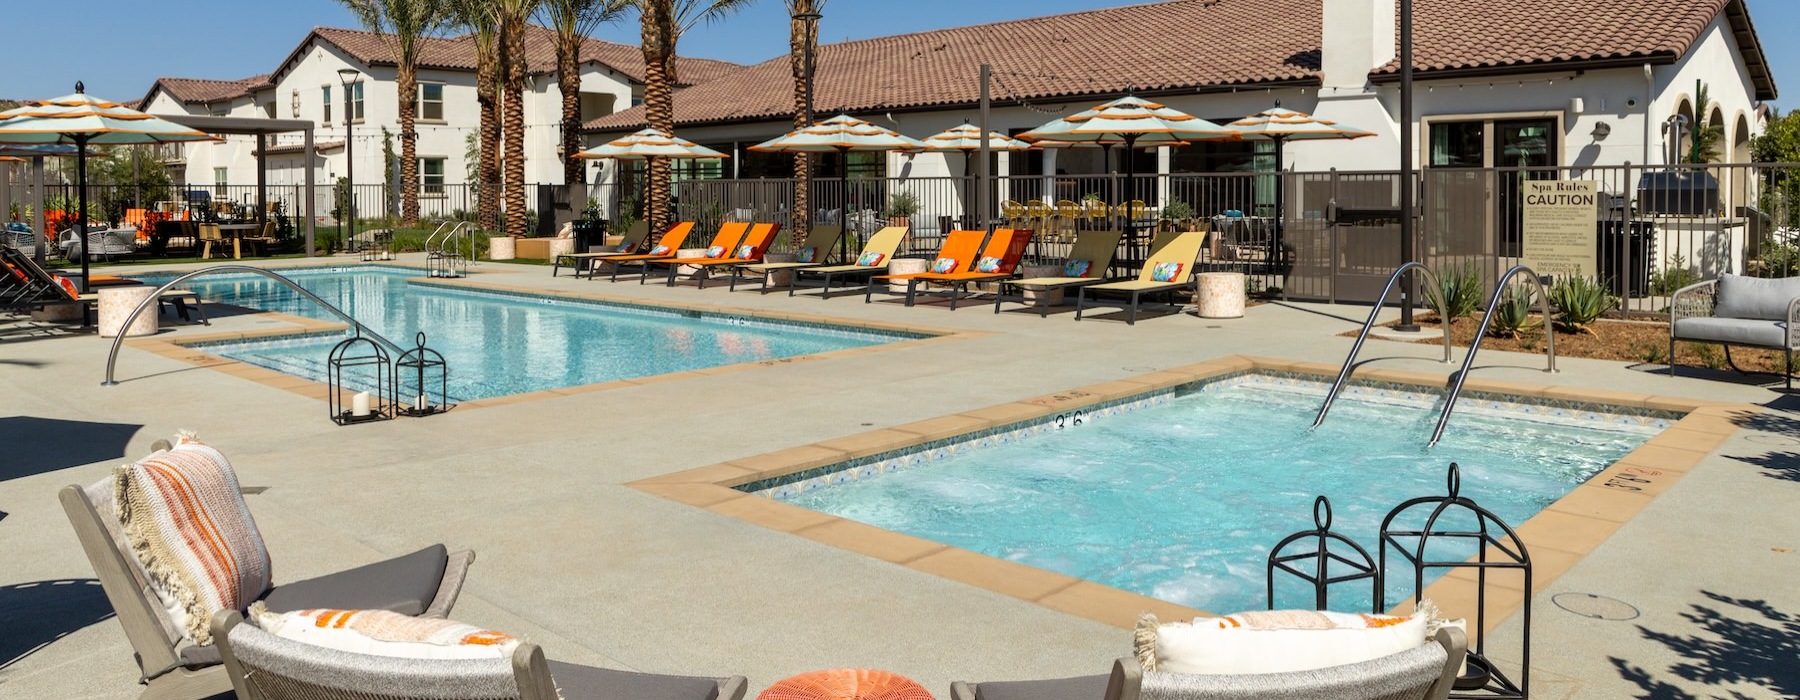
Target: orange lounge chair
x: 873, y: 259
x: 957, y: 255
x: 1005, y: 249
x: 730, y: 233
x: 748, y: 252
x: 1087, y: 263
x: 669, y: 242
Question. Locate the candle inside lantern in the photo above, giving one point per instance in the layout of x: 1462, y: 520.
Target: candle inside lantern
x: 359, y: 405
x: 419, y: 403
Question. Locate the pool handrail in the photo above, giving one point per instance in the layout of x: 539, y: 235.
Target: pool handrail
x: 1350, y: 362
x: 112, y: 356
x: 429, y: 253
x: 1456, y: 385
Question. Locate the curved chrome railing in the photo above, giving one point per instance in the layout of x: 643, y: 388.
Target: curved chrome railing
x: 1350, y: 362
x: 1481, y: 332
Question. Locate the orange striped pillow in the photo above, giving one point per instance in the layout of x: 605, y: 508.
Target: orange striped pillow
x: 186, y: 520
x: 386, y: 633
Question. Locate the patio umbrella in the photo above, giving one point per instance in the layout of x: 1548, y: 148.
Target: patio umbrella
x: 840, y: 134
x: 87, y: 121
x: 646, y: 144
x: 966, y: 139
x: 1284, y: 125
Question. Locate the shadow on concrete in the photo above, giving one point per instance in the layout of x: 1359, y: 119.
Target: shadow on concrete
x: 1754, y: 648
x: 38, y: 613
x: 42, y: 445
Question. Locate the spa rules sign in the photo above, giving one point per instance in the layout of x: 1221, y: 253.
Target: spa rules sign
x: 1559, y: 225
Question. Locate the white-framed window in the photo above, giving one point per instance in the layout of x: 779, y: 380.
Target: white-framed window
x: 326, y: 118
x: 355, y: 101
x: 430, y: 106
x: 431, y: 176
x: 221, y: 176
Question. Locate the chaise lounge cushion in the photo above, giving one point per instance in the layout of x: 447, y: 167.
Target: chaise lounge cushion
x: 575, y: 682
x: 1734, y: 331
x: 1077, y: 688
x: 386, y: 633
x: 405, y: 585
x: 1752, y: 297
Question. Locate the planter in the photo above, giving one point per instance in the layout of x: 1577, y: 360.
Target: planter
x: 1033, y: 297
x: 689, y: 272
x: 905, y: 266
x: 117, y: 302
x: 780, y: 278
x: 501, y: 248
x: 1219, y: 294
x: 561, y: 246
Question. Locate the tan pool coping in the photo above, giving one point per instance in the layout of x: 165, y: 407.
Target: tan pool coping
x: 1556, y: 538
x: 182, y: 347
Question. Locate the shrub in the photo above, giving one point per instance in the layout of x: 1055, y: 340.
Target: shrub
x: 1513, y: 314
x: 1666, y: 281
x: 1778, y: 260
x: 1458, y: 292
x: 1652, y: 353
x: 1579, y: 302
x: 1710, y: 355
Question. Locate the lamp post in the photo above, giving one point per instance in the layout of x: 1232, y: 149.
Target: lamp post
x: 349, y: 77
x: 1407, y: 190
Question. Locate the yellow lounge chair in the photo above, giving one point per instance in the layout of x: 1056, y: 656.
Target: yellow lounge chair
x: 877, y: 252
x: 811, y: 253
x: 1094, y: 248
x: 1179, y: 251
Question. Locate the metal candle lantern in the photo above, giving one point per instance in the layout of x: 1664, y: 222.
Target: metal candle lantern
x: 1329, y: 566
x: 417, y: 371
x: 366, y: 364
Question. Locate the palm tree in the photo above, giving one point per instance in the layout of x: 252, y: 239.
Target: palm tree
x: 803, y: 32
x: 664, y: 21
x: 572, y: 21
x: 512, y: 16
x: 402, y: 26
x: 1704, y: 135
x: 482, y: 23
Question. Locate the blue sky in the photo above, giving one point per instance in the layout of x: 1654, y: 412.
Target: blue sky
x: 123, y: 45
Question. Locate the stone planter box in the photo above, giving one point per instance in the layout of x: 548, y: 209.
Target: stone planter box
x: 1219, y: 294
x: 689, y: 272
x: 502, y: 248
x: 905, y: 266
x: 780, y: 278
x: 117, y: 302
x: 542, y: 248
x: 1053, y: 297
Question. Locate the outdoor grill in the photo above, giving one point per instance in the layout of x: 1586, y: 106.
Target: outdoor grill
x: 1679, y: 192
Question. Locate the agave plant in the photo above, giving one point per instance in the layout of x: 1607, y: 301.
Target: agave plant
x: 1512, y: 314
x: 1579, y: 301
x: 1458, y: 292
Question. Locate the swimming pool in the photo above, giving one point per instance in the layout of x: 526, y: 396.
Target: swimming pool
x: 499, y: 343
x: 1180, y: 494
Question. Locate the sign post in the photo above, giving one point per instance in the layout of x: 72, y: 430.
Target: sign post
x: 1558, y: 233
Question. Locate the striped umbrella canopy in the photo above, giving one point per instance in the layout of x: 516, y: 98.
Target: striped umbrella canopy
x: 18, y: 152
x: 649, y: 143
x: 84, y: 121
x: 1130, y: 120
x: 968, y: 138
x: 841, y: 134
x: 1280, y: 124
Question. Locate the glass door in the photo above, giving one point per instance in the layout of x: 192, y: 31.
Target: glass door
x: 1529, y: 148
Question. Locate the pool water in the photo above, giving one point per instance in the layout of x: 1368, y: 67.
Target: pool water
x: 1183, y: 501
x: 498, y: 343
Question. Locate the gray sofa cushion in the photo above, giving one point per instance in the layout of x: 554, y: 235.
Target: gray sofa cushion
x: 1735, y: 331
x: 1078, y: 688
x: 405, y: 584
x: 592, y: 683
x: 1752, y: 297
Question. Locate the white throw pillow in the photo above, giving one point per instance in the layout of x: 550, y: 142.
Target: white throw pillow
x: 385, y: 633
x: 1278, y: 641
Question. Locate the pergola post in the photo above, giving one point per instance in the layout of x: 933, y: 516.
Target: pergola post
x: 262, y: 179
x: 306, y: 202
x: 37, y: 205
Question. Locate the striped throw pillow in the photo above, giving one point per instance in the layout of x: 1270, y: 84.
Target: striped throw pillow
x: 386, y: 633
x: 189, y: 526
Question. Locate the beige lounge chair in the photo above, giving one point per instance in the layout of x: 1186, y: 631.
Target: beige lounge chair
x: 819, y: 240
x: 1181, y: 248
x: 1422, y: 673
x: 1096, y: 247
x: 634, y: 238
x: 263, y: 666
x: 885, y: 242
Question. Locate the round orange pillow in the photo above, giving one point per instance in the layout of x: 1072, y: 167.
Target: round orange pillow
x: 846, y: 684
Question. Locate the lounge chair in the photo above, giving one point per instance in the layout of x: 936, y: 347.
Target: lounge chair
x: 1178, y: 249
x: 669, y: 242
x: 957, y: 254
x: 263, y: 666
x: 811, y: 253
x: 747, y: 252
x: 25, y: 286
x: 730, y: 234
x: 1005, y: 246
x: 880, y: 249
x: 425, y: 583
x: 1094, y: 248
x: 579, y: 260
x: 1422, y: 673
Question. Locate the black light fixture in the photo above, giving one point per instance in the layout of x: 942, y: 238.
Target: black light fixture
x: 365, y: 364
x: 1330, y: 560
x: 421, y: 382
x: 347, y: 222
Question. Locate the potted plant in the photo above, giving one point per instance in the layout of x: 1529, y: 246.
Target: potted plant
x: 1176, y: 212
x: 902, y: 204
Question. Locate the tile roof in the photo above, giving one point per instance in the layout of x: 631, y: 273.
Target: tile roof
x: 458, y: 53
x: 1183, y: 45
x: 201, y: 90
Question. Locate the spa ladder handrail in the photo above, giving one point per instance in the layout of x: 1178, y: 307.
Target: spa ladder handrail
x: 112, y: 357
x: 448, y: 252
x: 1481, y: 332
x: 1350, y: 362
x: 430, y: 240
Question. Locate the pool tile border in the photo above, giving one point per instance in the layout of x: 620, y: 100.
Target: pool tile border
x: 1558, y: 538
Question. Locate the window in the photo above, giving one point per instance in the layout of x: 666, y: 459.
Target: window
x: 326, y: 119
x: 430, y: 106
x: 431, y: 176
x: 220, y: 177
x: 355, y: 101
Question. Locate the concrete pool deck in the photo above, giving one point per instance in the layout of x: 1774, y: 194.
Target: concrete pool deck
x: 574, y: 557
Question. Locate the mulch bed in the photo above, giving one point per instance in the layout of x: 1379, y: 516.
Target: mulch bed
x: 1623, y: 341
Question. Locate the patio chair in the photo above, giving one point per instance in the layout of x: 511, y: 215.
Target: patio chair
x: 730, y: 234
x: 425, y: 583
x: 263, y: 666
x: 1095, y: 248
x: 748, y: 252
x: 819, y: 241
x: 210, y: 234
x: 880, y: 249
x: 1425, y: 672
x: 958, y: 254
x: 669, y: 242
x: 582, y: 259
x: 27, y: 286
x: 1175, y: 249
x: 1007, y: 246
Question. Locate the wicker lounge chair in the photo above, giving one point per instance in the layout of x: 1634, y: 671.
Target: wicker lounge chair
x: 425, y: 583
x: 819, y: 241
x: 758, y: 240
x: 1005, y: 245
x: 1096, y: 247
x: 1181, y: 248
x: 961, y: 248
x: 1422, y: 673
x: 579, y: 260
x: 730, y: 234
x: 884, y: 242
x: 263, y: 666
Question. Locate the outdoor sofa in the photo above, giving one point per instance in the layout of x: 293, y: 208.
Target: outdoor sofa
x: 1733, y: 310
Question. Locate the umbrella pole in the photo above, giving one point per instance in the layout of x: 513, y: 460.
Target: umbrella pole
x: 1272, y: 257
x: 81, y: 232
x: 1130, y: 187
x: 844, y: 207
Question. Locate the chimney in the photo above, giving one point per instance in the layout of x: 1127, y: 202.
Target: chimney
x: 1358, y: 36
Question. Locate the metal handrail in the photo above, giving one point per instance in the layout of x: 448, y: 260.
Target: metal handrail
x: 1481, y: 332
x: 112, y: 357
x: 433, y: 238
x: 1350, y: 362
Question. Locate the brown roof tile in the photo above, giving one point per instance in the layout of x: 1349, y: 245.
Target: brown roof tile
x: 201, y: 91
x: 458, y: 53
x: 1180, y: 45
